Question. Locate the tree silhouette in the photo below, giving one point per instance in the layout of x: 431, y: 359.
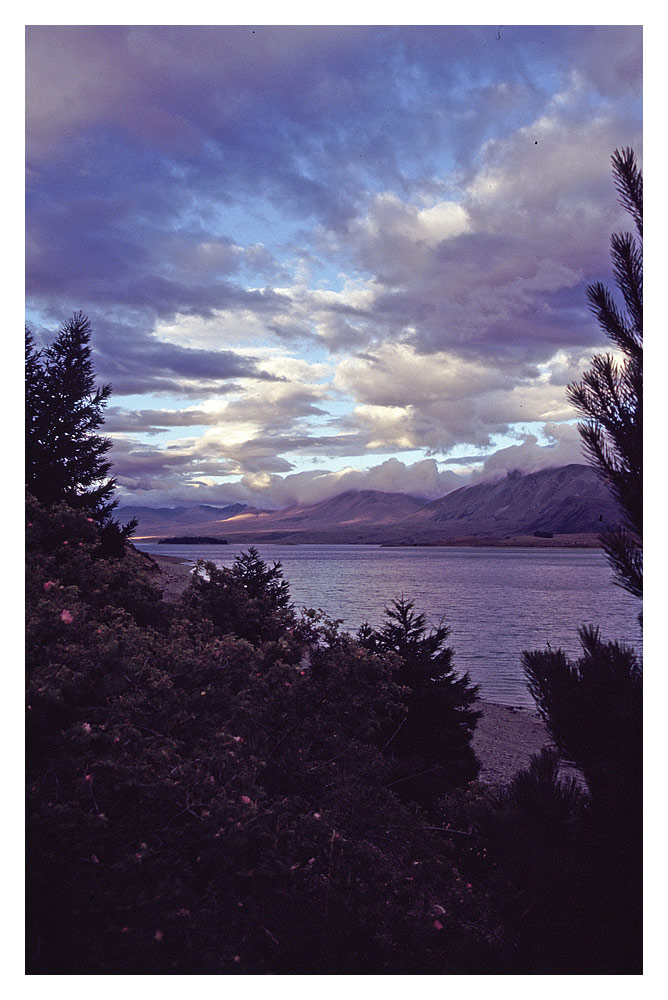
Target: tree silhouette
x: 441, y: 719
x: 592, y: 706
x: 36, y: 439
x: 610, y: 393
x: 250, y: 600
x: 66, y: 460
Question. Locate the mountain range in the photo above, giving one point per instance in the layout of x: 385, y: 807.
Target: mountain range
x: 568, y: 503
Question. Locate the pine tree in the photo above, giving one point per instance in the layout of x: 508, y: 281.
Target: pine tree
x: 260, y: 580
x: 66, y: 460
x: 441, y: 718
x: 592, y: 706
x: 610, y: 393
x: 35, y: 431
x: 250, y: 600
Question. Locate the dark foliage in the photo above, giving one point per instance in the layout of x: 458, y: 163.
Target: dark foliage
x: 610, y: 394
x: 544, y: 876
x: 435, y: 735
x: 564, y: 878
x: 113, y: 537
x: 65, y: 459
x: 567, y: 885
x: 202, y: 803
x: 593, y: 710
x: 250, y: 600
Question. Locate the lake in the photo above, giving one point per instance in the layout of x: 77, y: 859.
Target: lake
x: 497, y: 602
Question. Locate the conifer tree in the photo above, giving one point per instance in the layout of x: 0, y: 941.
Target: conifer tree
x: 260, y: 580
x: 66, y: 460
x: 607, y: 679
x: 592, y: 706
x: 441, y: 718
x: 35, y: 431
x: 610, y: 393
x: 250, y: 600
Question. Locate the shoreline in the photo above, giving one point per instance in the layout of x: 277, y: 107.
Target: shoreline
x: 505, y: 739
x: 576, y: 541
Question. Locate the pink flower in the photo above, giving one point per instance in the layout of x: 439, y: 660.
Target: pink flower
x: 66, y: 543
x: 67, y: 617
x: 438, y: 925
x: 89, y: 778
x: 49, y: 584
x: 159, y: 935
x: 86, y: 727
x: 246, y: 800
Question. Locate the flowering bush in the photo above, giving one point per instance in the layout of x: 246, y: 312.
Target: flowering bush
x: 200, y: 802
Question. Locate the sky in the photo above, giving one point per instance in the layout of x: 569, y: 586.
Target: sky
x: 327, y: 258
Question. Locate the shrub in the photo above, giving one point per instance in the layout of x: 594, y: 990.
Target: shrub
x: 250, y: 600
x: 199, y: 803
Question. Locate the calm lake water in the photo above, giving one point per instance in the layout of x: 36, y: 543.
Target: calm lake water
x: 497, y: 602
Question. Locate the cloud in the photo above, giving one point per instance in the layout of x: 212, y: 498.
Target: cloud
x: 324, y: 243
x: 147, y: 479
x: 135, y: 361
x: 408, y: 400
x: 118, y: 420
x: 501, y: 273
x: 565, y: 448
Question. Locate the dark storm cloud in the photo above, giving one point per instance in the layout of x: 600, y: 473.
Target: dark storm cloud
x: 132, y: 131
x: 103, y: 252
x: 157, y: 361
x: 135, y: 361
x: 117, y: 420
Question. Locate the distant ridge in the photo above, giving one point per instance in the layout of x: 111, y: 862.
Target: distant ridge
x: 568, y: 501
x: 175, y: 515
x: 350, y: 508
